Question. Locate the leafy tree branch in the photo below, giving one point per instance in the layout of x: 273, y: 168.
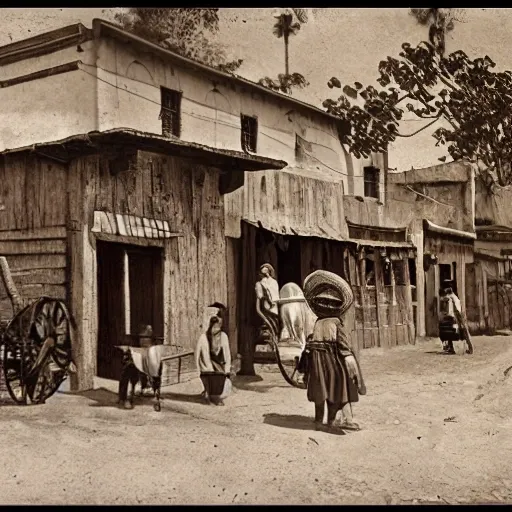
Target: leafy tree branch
x: 185, y: 31
x: 474, y: 100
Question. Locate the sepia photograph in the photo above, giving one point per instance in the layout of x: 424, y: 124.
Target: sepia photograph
x: 255, y: 256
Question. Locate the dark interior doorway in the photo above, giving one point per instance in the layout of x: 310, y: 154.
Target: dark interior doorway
x: 289, y: 262
x: 448, y: 272
x: 130, y: 294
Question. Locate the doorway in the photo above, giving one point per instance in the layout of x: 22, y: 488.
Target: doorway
x: 130, y: 294
x: 448, y: 272
x: 289, y: 262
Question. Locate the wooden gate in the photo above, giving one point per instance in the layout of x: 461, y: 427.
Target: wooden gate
x: 383, y: 302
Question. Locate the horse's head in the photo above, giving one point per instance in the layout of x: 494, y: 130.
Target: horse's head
x: 290, y: 290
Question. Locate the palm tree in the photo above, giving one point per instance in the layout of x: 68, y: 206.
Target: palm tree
x: 440, y: 21
x: 286, y: 26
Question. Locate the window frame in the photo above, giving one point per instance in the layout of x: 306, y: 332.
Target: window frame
x: 371, y: 186
x: 249, y: 138
x: 171, y: 118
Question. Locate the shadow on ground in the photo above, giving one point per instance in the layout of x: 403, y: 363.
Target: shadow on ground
x: 251, y: 383
x: 103, y: 397
x: 294, y: 421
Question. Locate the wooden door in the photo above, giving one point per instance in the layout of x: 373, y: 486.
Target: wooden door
x: 111, y: 304
x: 146, y: 289
x: 431, y: 301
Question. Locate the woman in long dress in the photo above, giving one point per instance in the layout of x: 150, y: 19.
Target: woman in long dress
x: 213, y: 360
x: 332, y: 372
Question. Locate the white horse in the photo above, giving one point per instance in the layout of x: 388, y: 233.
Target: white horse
x: 297, y: 319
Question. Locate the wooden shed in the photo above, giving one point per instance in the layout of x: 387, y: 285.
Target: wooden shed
x: 128, y: 228
x: 489, y: 280
x: 453, y: 250
x: 295, y: 221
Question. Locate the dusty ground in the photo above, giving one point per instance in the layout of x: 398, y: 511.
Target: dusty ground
x: 437, y: 428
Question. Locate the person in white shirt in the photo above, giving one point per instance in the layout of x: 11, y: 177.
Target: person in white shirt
x: 213, y: 360
x: 452, y: 307
x: 267, y: 292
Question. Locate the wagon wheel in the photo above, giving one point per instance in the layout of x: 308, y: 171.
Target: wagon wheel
x: 13, y: 372
x: 288, y: 354
x: 37, y: 351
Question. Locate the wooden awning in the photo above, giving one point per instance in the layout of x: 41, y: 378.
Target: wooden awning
x: 118, y: 139
x: 376, y: 234
x: 494, y: 233
x: 382, y: 243
x: 324, y: 232
x: 456, y: 233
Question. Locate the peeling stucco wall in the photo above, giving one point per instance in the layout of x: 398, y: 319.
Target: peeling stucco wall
x: 443, y: 194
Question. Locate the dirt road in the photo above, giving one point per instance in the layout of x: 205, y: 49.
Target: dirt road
x: 436, y: 428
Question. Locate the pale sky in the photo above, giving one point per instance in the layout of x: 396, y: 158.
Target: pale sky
x: 347, y: 43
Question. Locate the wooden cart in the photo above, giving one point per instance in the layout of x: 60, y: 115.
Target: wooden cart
x: 35, y: 345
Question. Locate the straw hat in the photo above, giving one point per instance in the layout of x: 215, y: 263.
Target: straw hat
x: 327, y: 294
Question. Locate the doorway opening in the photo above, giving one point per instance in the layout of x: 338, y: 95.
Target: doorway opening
x: 448, y: 272
x: 130, y: 295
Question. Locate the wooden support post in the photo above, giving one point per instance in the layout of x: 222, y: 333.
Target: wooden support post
x: 409, y: 310
x: 379, y: 293
x: 247, y: 332
x: 364, y: 301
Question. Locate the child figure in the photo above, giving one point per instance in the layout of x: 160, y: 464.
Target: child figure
x: 332, y: 373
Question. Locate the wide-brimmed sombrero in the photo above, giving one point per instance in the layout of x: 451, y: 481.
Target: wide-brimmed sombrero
x: 327, y: 294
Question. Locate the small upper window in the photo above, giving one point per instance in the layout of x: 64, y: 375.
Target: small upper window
x: 249, y: 133
x: 171, y: 112
x: 371, y: 182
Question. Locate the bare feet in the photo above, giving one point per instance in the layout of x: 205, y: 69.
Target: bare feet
x: 350, y: 425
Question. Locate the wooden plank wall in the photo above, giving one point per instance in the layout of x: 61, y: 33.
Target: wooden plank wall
x: 383, y: 314
x: 187, y: 196
x: 285, y: 199
x: 32, y: 227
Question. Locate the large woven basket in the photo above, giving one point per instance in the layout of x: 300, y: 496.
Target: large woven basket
x: 327, y: 294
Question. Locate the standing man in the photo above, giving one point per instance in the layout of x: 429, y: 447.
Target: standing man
x: 267, y: 292
x: 451, y: 310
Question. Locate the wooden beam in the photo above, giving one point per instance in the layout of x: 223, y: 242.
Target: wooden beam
x: 379, y: 292
x: 44, y: 73
x: 83, y: 379
x: 134, y: 240
x: 44, y: 233
x: 32, y: 247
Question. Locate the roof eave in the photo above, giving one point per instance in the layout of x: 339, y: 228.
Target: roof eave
x: 93, y: 142
x: 45, y: 43
x: 448, y: 231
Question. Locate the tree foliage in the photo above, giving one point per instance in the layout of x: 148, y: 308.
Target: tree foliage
x: 474, y: 101
x: 288, y: 23
x: 440, y: 21
x: 185, y: 31
x: 285, y: 83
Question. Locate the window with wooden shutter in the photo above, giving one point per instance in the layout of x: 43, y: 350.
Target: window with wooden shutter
x: 371, y: 182
x: 249, y: 133
x: 170, y: 113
